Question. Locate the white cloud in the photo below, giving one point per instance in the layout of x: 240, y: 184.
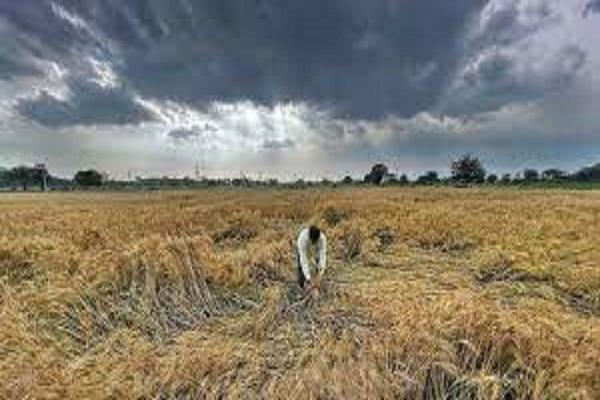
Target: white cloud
x: 69, y: 17
x: 518, y: 51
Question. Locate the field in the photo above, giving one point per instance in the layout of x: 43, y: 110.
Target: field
x: 430, y: 293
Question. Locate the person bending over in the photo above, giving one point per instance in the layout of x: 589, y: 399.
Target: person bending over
x: 310, y: 241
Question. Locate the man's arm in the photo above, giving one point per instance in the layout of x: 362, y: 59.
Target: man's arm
x: 301, y: 245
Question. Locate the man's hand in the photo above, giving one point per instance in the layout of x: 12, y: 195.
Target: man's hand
x: 313, y: 287
x: 316, y: 284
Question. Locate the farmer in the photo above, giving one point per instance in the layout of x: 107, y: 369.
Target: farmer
x: 310, y: 241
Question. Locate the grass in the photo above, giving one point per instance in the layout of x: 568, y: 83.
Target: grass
x: 430, y: 293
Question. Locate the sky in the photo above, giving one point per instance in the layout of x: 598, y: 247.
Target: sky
x: 288, y: 88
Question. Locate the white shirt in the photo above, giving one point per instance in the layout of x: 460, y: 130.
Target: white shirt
x: 302, y: 244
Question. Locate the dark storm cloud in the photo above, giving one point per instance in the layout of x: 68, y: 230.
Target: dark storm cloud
x: 322, y: 81
x: 14, y: 62
x: 89, y: 104
x: 359, y: 57
x: 592, y: 7
x: 363, y: 59
x: 40, y: 30
x: 11, y: 68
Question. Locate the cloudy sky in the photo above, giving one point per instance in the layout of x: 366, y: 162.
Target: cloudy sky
x: 291, y: 88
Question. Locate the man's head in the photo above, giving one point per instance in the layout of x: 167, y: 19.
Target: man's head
x: 314, y: 234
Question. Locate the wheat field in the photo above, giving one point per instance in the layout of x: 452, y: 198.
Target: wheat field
x: 429, y: 294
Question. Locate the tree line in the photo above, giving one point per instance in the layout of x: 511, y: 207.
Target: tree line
x: 37, y: 177
x: 467, y: 170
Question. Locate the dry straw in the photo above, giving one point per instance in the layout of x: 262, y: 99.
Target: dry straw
x: 430, y: 294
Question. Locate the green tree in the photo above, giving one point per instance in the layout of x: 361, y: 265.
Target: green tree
x: 531, y: 175
x: 553, y: 174
x: 88, y: 178
x: 22, y: 175
x: 378, y: 172
x: 589, y: 174
x: 492, y: 179
x: 4, y: 177
x: 468, y: 169
x: 429, y: 178
x: 40, y: 175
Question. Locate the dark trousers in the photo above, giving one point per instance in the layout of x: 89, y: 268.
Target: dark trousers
x: 301, y: 277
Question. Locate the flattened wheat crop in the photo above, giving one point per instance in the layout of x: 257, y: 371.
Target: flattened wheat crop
x: 430, y: 294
